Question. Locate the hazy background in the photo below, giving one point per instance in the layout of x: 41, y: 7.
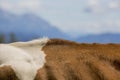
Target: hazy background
x: 77, y: 20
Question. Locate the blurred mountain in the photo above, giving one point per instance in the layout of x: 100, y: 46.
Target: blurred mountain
x: 27, y: 26
x: 102, y: 38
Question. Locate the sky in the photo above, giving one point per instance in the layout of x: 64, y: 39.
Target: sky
x: 75, y: 17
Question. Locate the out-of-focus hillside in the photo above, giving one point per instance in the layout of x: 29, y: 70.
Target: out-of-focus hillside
x: 101, y: 38
x: 29, y: 26
x: 26, y: 27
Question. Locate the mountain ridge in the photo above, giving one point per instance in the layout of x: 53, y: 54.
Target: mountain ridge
x: 27, y: 26
x: 100, y: 38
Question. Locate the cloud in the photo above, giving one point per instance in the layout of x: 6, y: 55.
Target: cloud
x: 93, y: 2
x: 102, y: 6
x: 32, y: 4
x: 114, y: 4
x: 94, y: 6
x: 21, y: 5
x: 95, y: 27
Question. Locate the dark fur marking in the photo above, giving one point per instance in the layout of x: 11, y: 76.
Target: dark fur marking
x: 116, y: 64
x: 50, y: 75
x: 95, y: 72
x: 7, y: 73
x: 61, y: 42
x: 71, y: 73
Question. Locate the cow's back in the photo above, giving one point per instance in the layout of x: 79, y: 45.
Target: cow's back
x: 67, y: 60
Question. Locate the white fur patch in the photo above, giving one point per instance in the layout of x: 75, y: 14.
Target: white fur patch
x: 34, y: 48
x: 20, y: 61
x: 25, y: 58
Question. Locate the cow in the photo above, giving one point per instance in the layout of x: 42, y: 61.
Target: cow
x: 60, y: 59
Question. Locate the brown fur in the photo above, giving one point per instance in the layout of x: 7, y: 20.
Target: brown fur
x: 7, y: 73
x: 61, y: 42
x: 68, y: 60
